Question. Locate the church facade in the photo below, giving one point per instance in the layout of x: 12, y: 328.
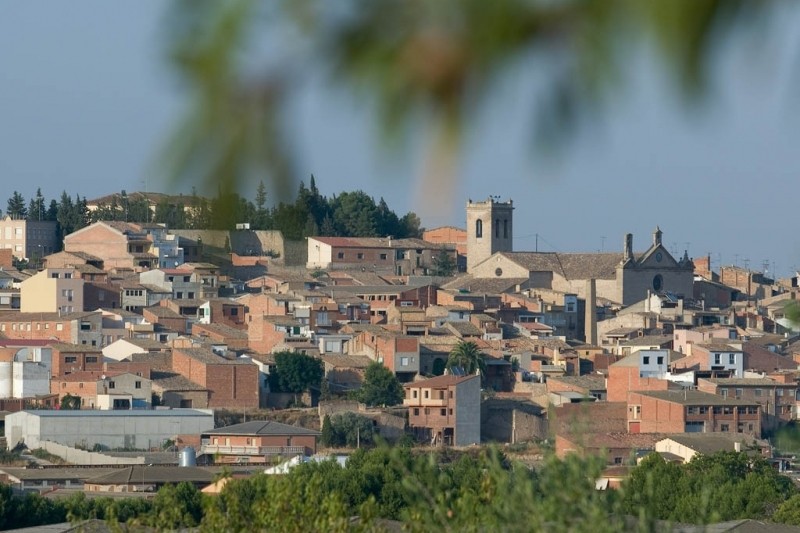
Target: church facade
x: 624, y: 278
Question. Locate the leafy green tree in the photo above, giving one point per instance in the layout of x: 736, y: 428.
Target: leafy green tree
x: 443, y: 264
x: 380, y: 386
x: 411, y: 226
x: 70, y: 402
x: 355, y: 215
x: 719, y: 487
x: 789, y: 511
x: 176, y: 506
x: 296, y: 372
x: 138, y: 209
x: 16, y: 206
x: 467, y: 356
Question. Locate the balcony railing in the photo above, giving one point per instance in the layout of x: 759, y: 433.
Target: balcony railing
x: 212, y: 449
x: 425, y: 402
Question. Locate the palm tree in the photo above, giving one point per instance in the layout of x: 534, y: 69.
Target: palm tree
x: 468, y: 356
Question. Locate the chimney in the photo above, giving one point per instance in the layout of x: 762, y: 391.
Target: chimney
x: 590, y: 323
x: 628, y: 248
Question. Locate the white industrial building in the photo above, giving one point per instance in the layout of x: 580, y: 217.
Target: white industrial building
x: 133, y: 430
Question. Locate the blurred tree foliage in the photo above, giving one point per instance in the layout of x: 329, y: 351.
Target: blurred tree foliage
x: 429, y: 63
x: 446, y: 490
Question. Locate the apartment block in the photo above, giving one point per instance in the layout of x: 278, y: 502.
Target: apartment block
x: 28, y: 239
x: 445, y: 410
x: 53, y: 290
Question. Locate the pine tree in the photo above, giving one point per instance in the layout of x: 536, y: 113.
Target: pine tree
x: 16, y: 206
x: 328, y: 436
x: 36, y: 208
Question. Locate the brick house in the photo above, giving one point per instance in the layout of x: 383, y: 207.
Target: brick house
x: 75, y: 328
x: 397, y: 352
x: 778, y: 400
x: 105, y: 390
x: 398, y: 256
x: 234, y: 339
x: 445, y: 409
x: 642, y: 371
x: 68, y: 358
x: 265, y: 333
x: 257, y: 441
x: 121, y: 245
x: 232, y: 383
x: 691, y: 411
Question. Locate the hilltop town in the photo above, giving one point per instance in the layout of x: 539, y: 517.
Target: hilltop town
x: 129, y: 343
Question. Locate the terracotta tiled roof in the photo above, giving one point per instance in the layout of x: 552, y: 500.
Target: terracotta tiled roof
x: 569, y: 265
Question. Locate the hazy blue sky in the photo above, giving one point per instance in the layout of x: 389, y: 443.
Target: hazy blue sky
x: 87, y: 99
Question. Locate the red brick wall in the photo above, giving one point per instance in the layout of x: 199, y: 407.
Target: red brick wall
x: 6, y: 258
x: 658, y: 416
x: 102, y: 242
x: 189, y: 367
x: 448, y: 235
x: 39, y: 329
x: 623, y: 379
x: 261, y: 335
x: 232, y: 386
x: 61, y: 366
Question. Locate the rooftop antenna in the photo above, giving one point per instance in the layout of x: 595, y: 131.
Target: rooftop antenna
x: 747, y: 264
x: 602, y: 242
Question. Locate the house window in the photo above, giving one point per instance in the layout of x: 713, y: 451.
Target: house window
x: 497, y: 228
x: 738, y: 393
x: 112, y: 385
x: 617, y: 460
x: 758, y: 392
x: 451, y: 412
x: 340, y: 255
x: 234, y: 311
x: 137, y: 385
x: 779, y: 392
x: 479, y: 228
x: 443, y: 412
x: 416, y: 411
x: 505, y: 229
x: 91, y: 358
x: 731, y: 359
x: 414, y: 393
x: 717, y: 359
x: 404, y: 361
x: 190, y: 295
x: 723, y: 393
x: 646, y: 360
x: 724, y: 428
x: 360, y: 255
x: 180, y: 295
x: 70, y: 359
x: 383, y: 257
x: 426, y: 393
x: 660, y: 360
x: 186, y: 279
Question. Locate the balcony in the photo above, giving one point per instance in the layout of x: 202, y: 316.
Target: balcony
x: 213, y: 449
x: 425, y: 402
